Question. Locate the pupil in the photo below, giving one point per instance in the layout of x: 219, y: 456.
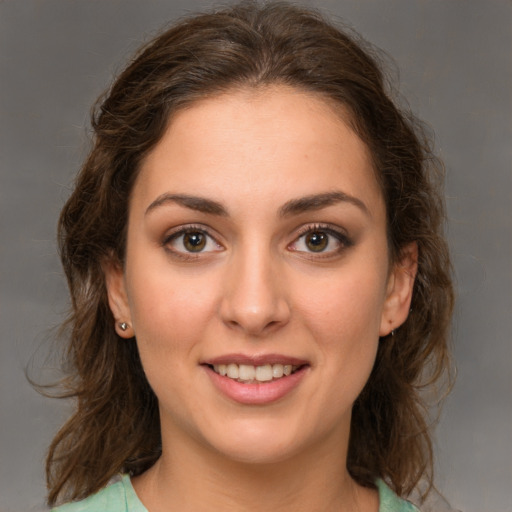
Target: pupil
x: 317, y: 241
x: 194, y: 242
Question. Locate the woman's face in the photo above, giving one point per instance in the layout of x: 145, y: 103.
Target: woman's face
x: 257, y: 246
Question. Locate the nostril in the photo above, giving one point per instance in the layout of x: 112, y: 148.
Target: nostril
x: 255, y: 306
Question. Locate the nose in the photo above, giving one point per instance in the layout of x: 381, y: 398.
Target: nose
x: 253, y: 298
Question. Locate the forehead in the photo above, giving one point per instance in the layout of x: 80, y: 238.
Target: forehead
x: 259, y: 143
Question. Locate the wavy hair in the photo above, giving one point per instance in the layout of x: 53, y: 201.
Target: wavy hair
x: 115, y: 424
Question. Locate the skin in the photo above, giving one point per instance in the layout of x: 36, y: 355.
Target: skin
x: 257, y: 288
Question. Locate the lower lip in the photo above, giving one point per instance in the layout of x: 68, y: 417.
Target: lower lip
x: 256, y: 393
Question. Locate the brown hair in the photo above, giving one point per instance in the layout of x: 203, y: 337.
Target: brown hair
x: 115, y: 426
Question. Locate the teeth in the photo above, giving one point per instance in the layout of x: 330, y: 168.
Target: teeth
x: 277, y: 371
x: 232, y: 372
x: 248, y: 373
x: 264, y: 373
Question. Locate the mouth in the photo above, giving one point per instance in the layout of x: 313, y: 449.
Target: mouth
x: 249, y: 374
x: 256, y: 380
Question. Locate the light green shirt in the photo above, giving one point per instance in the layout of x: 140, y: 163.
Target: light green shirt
x: 121, y: 497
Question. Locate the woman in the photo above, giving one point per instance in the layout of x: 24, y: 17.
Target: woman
x: 260, y: 285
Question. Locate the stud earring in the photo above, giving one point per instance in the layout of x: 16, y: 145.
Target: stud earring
x: 123, y: 326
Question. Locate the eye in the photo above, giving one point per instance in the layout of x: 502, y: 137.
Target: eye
x: 191, y: 240
x: 320, y: 239
x: 316, y: 241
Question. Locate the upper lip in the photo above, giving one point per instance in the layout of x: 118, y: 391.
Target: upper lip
x: 255, y: 360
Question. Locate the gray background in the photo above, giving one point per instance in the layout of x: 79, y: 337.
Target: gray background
x: 455, y: 65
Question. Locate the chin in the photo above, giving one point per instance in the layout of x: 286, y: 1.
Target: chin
x: 259, y: 453
x: 259, y: 443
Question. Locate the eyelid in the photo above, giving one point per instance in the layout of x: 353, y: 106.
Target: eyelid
x: 189, y: 228
x: 335, y: 231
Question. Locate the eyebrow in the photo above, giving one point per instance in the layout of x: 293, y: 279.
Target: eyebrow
x: 292, y: 207
x: 197, y: 203
x: 319, y: 201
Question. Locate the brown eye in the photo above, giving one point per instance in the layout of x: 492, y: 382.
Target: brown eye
x: 194, y: 241
x: 317, y: 241
x: 191, y: 242
x: 321, y: 241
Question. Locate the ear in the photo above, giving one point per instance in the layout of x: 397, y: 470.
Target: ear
x: 118, y: 298
x: 399, y: 290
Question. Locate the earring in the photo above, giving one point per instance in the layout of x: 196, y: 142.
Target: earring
x: 392, y: 332
x: 123, y: 326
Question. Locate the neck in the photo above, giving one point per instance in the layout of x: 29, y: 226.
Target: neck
x: 205, y: 481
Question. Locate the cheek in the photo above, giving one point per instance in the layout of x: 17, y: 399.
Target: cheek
x: 169, y: 308
x: 345, y: 305
x: 343, y: 314
x: 170, y: 316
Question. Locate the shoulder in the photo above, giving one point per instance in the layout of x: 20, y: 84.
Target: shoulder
x: 390, y: 502
x: 116, y: 497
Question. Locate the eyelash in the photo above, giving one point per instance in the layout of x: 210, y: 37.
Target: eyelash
x: 344, y: 241
x: 183, y: 230
x: 341, y: 238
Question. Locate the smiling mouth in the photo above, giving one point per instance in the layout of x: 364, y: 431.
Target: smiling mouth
x: 246, y: 373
